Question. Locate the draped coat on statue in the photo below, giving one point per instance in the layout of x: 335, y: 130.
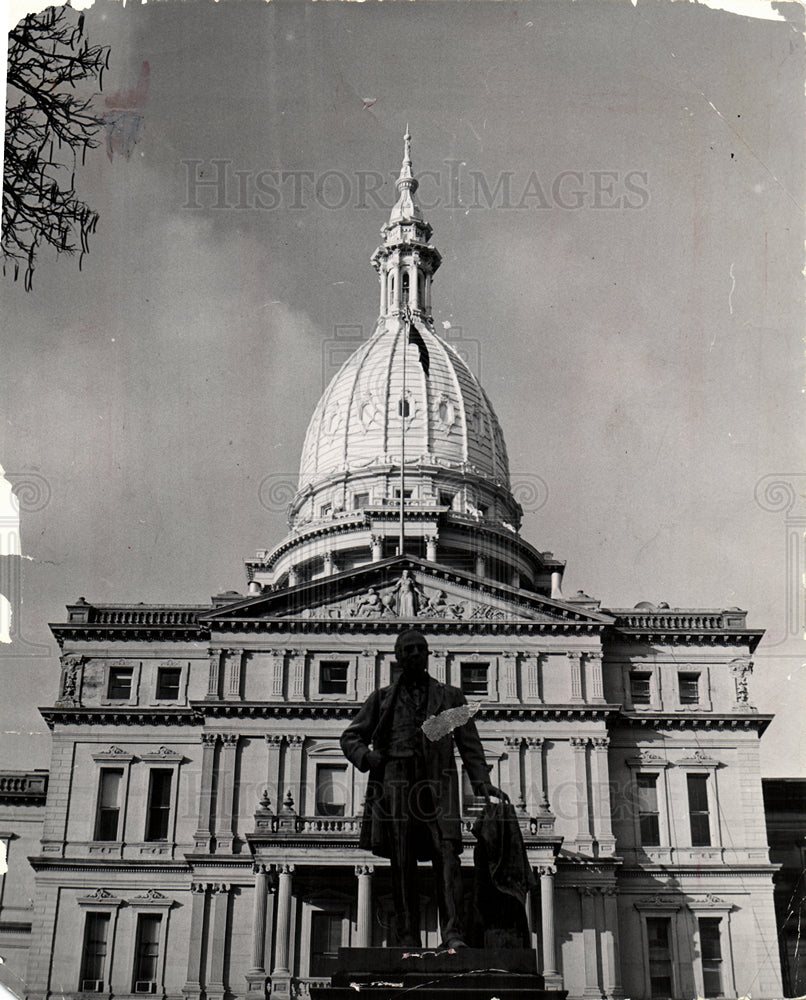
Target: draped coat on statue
x: 371, y: 729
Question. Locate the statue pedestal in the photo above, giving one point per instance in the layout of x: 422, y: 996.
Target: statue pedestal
x: 464, y: 974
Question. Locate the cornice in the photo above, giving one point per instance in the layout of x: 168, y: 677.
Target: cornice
x: 42, y: 863
x: 718, y: 870
x: 342, y: 710
x: 100, y: 632
x: 355, y: 626
x: 695, y: 720
x: 749, y: 638
x: 128, y: 716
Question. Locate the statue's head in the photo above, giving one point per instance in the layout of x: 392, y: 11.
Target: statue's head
x: 411, y: 652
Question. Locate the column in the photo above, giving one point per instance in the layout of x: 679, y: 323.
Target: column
x: 273, y: 744
x: 398, y: 277
x: 436, y: 665
x: 595, y: 662
x: 256, y: 976
x: 535, y: 789
x: 204, y: 833
x: 364, y: 906
x: 481, y: 566
x: 225, y: 818
x: 216, y: 987
x: 414, y: 288
x: 611, y: 961
x: 277, y: 673
x: 212, y: 679
x: 232, y: 691
x: 602, y: 815
x: 281, y: 974
x: 329, y: 564
x: 589, y: 936
x: 296, y: 674
x: 575, y: 663
x: 532, y: 666
x: 293, y: 775
x: 198, y: 901
x: 508, y: 681
x: 431, y: 547
x: 552, y: 980
x: 365, y: 681
x: 515, y: 787
x: 377, y: 547
x: 293, y: 576
x: 584, y: 839
x: 384, y: 293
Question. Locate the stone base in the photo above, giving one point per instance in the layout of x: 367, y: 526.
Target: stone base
x: 464, y: 974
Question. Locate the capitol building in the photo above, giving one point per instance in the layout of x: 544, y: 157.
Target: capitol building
x: 199, y: 835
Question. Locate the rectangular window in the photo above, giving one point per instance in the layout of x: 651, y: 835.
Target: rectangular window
x: 331, y: 789
x: 168, y: 680
x: 648, y: 809
x: 698, y: 810
x: 93, y: 952
x: 108, y: 812
x: 711, y: 955
x: 120, y: 683
x: 325, y: 509
x: 659, y: 932
x: 333, y: 676
x: 445, y: 499
x: 406, y: 494
x: 473, y: 679
x: 159, y: 804
x: 360, y: 500
x: 325, y: 941
x: 688, y: 686
x: 146, y: 953
x: 640, y: 687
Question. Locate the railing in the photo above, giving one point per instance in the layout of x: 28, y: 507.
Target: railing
x: 334, y: 826
x: 318, y: 824
x: 301, y: 988
x: 678, y: 620
x: 22, y: 785
x: 144, y: 616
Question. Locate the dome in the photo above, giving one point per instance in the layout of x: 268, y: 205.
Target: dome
x: 450, y: 421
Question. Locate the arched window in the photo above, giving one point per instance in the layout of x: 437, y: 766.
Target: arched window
x: 404, y: 288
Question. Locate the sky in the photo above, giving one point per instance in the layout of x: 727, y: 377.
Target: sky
x: 616, y: 190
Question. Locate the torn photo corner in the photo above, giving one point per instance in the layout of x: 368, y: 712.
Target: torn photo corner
x: 437, y: 726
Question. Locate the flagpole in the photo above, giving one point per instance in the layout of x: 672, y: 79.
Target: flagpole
x: 406, y: 317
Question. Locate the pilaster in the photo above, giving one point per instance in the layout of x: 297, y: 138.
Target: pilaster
x: 579, y: 746
x: 204, y: 833
x: 602, y: 811
x: 590, y: 934
x: 216, y: 987
x: 225, y: 814
x: 195, y: 975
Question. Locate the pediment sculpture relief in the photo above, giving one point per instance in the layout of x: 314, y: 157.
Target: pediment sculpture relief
x: 406, y: 599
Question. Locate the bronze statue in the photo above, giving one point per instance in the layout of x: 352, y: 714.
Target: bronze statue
x: 412, y: 809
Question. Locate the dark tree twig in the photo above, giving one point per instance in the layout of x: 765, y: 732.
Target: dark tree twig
x: 48, y: 130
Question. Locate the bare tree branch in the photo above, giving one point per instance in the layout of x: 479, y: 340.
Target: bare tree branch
x: 48, y: 129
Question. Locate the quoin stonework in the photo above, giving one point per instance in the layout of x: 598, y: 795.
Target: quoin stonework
x: 198, y: 837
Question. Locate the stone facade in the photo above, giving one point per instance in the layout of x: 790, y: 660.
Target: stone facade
x: 201, y: 831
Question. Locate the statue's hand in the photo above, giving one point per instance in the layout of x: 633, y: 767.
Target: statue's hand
x: 490, y: 791
x: 374, y: 759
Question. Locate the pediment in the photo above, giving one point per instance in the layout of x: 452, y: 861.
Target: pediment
x: 399, y: 590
